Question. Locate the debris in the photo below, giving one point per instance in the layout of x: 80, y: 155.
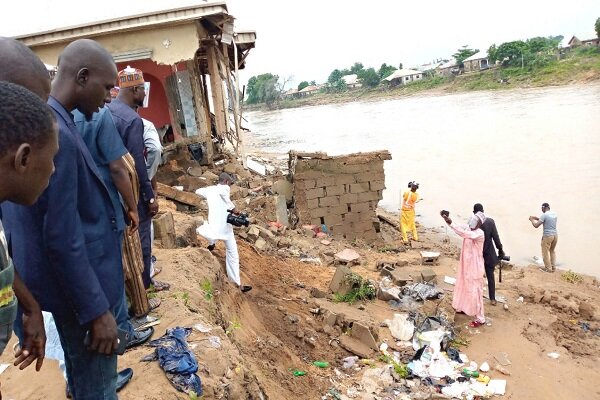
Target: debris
x: 501, y: 369
x: 325, y: 242
x: 349, y: 362
x: 281, y: 210
x: 164, y: 230
x: 200, y: 327
x: 429, y: 275
x: 253, y: 232
x: 497, y: 386
x: 255, y: 166
x: 348, y: 256
x: 502, y: 359
x: 190, y: 199
x: 520, y: 299
x: 299, y: 373
x: 422, y: 291
x: 355, y: 346
x: 484, y: 367
x: 215, y: 342
x: 586, y: 311
x: 429, y: 257
x: 339, y: 282
x: 553, y: 355
x: 364, y: 334
x: 505, y: 307
x: 317, y: 293
x: 450, y: 280
x: 400, y: 327
x: 260, y: 244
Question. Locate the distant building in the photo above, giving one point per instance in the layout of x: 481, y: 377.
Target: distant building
x: 309, y: 90
x: 448, y: 68
x: 290, y: 94
x: 429, y: 68
x: 576, y: 42
x: 404, y: 76
x: 477, y: 62
x: 352, y: 81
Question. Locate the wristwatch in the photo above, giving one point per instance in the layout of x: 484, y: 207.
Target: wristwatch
x: 151, y: 201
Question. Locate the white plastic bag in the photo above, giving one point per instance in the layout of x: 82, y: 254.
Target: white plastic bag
x: 400, y: 327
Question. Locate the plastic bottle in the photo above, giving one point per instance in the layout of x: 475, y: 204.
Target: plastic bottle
x: 484, y: 379
x: 299, y: 373
x: 470, y: 373
x: 321, y: 364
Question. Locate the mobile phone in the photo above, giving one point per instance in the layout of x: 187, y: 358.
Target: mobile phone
x: 122, y: 338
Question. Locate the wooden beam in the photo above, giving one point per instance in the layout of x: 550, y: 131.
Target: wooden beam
x: 216, y: 86
x: 200, y: 109
x: 190, y: 199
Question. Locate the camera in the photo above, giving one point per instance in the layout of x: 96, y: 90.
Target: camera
x: 238, y: 220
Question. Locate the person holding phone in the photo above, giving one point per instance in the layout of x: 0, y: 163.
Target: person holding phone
x: 468, y: 290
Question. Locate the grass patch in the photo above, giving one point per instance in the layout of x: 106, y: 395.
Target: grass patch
x: 234, y: 325
x: 361, y: 290
x: 572, y: 277
x: 207, y: 289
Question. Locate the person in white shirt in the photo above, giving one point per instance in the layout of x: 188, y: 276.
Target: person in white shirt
x: 217, y: 228
x: 153, y: 150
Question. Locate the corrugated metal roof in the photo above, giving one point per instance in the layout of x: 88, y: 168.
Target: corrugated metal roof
x: 477, y: 56
x: 350, y: 79
x: 124, y: 23
x: 448, y: 64
x: 401, y: 73
x: 309, y: 89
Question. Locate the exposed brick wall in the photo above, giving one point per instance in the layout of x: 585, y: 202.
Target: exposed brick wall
x: 341, y: 192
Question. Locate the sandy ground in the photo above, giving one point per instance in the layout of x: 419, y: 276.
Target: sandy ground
x: 269, y: 332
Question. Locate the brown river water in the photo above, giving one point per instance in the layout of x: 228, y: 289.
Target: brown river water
x: 509, y: 150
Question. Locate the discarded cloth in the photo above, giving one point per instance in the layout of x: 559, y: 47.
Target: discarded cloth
x: 176, y: 359
x: 422, y: 291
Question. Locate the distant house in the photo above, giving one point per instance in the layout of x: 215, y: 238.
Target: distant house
x: 477, y: 62
x: 576, y: 42
x: 290, y: 94
x: 429, y: 68
x: 404, y: 76
x: 352, y: 81
x: 309, y: 90
x: 591, y: 42
x: 447, y: 69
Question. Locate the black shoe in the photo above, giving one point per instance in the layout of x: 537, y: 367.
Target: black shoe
x: 211, y: 247
x: 68, y: 392
x: 123, y: 378
x: 140, y: 337
x: 245, y: 288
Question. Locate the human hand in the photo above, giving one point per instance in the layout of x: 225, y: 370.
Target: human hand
x: 134, y: 221
x: 33, y: 346
x: 103, y: 331
x: 153, y: 207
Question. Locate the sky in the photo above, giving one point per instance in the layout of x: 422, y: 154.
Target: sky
x: 306, y: 40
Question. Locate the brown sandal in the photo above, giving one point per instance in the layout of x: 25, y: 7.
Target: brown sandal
x: 160, y: 286
x: 154, y: 303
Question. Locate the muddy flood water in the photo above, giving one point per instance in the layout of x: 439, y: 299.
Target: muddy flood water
x: 509, y: 150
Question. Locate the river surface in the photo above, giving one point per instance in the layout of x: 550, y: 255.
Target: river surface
x: 509, y: 150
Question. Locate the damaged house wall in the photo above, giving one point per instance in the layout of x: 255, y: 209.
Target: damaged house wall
x: 341, y: 192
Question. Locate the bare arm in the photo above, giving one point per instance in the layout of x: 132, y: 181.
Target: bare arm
x: 34, y: 334
x: 120, y: 177
x: 535, y: 221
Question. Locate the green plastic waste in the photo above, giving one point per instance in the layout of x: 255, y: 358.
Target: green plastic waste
x: 321, y: 364
x: 299, y: 373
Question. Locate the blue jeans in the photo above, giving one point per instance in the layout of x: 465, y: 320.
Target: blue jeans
x: 90, y: 375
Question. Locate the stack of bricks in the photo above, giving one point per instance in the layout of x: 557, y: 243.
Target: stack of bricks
x: 340, y: 192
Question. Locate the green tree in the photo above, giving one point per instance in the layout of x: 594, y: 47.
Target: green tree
x: 512, y: 53
x: 302, y: 85
x: 400, y: 66
x: 335, y: 76
x: 356, y: 68
x: 463, y: 53
x: 338, y: 86
x: 313, y: 83
x: 369, y: 77
x: 263, y: 89
x: 385, y: 70
x: 597, y: 27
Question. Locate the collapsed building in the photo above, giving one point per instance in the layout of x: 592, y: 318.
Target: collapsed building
x: 190, y: 57
x: 340, y: 193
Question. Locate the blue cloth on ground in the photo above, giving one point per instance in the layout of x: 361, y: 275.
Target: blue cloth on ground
x: 177, y: 360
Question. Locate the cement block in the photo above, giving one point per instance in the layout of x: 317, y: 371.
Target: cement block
x: 376, y: 185
x: 359, y: 187
x: 338, y: 282
x: 253, y: 232
x: 333, y: 219
x: 368, y: 196
x: 428, y: 275
x: 335, y: 190
x: 311, y: 204
x: 314, y: 193
x: 364, y: 334
x: 345, y: 179
x: 325, y: 181
x: 401, y: 278
x: 355, y: 346
x: 351, y: 217
x: 164, y: 230
x: 309, y: 183
x: 319, y: 212
x: 330, y: 317
x: 333, y: 201
x: 361, y: 207
x: 366, y: 176
x: 260, y: 244
x: 349, y: 198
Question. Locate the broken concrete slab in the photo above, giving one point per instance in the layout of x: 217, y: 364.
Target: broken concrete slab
x: 190, y: 199
x: 260, y: 244
x: 325, y: 242
x: 429, y: 257
x: 195, y: 171
x: 338, y: 282
x: 164, y: 230
x: 388, y: 293
x: 285, y: 188
x: 253, y: 232
x: 317, y: 293
x: 210, y: 176
x: 401, y: 278
x: 364, y: 334
x: 330, y: 317
x: 230, y: 168
x: 237, y: 192
x: 348, y: 256
x: 355, y: 346
x: 281, y: 210
x: 429, y: 275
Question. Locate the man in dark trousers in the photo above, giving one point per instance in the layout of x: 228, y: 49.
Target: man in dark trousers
x: 63, y: 245
x: 490, y: 258
x: 131, y: 128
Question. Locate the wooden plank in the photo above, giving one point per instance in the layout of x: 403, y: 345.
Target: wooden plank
x: 190, y: 199
x: 200, y: 109
x: 216, y: 85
